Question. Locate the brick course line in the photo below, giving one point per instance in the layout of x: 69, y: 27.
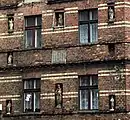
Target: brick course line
x: 56, y: 78
x: 59, y: 74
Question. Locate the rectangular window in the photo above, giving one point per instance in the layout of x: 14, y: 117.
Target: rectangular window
x: 33, y: 31
x: 88, y: 26
x: 88, y: 93
x: 31, y: 95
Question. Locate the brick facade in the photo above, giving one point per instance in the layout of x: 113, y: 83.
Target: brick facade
x: 112, y: 68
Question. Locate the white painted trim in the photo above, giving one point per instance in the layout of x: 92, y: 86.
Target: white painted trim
x: 9, y: 96
x: 47, y: 11
x: 47, y: 94
x: 73, y: 8
x: 56, y: 78
x: 117, y: 3
x: 63, y: 31
x: 111, y: 91
x: 114, y: 26
x: 59, y: 74
x: 43, y: 98
x: 20, y: 32
x: 48, y: 14
x: 69, y: 93
x: 10, y: 77
x: 8, y: 81
x: 68, y: 12
x: 13, y: 36
x: 71, y: 96
x: 3, y: 19
x: 119, y: 22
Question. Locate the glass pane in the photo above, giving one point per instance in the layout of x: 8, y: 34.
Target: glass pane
x: 28, y: 84
x: 27, y: 101
x: 95, y: 99
x: 39, y: 20
x: 36, y: 101
x: 36, y: 84
x: 95, y: 80
x: 38, y: 38
x: 93, y: 32
x: 83, y: 16
x: 84, y: 33
x: 29, y: 38
x: 30, y: 21
x: 84, y: 81
x: 93, y: 15
x: 83, y: 99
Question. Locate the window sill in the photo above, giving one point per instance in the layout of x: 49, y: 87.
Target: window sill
x: 23, y: 114
x: 88, y: 111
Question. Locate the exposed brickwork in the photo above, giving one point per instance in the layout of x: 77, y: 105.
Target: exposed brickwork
x: 89, y: 59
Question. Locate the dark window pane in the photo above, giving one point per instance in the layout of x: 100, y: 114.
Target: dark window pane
x: 93, y: 15
x: 85, y: 81
x: 83, y: 16
x: 84, y: 33
x: 29, y: 38
x: 28, y: 84
x: 38, y: 38
x: 95, y: 99
x: 94, y: 80
x: 36, y: 101
x: 39, y: 20
x: 30, y: 21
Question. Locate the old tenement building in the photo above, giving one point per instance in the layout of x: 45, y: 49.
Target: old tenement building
x: 65, y: 59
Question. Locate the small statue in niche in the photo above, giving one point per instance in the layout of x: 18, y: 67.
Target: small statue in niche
x: 58, y: 95
x: 60, y: 21
x: 10, y: 59
x: 112, y: 102
x: 111, y: 13
x: 11, y: 24
x: 8, y: 106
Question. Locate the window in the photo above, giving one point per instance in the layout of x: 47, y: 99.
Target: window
x: 31, y: 95
x: 29, y: 1
x: 88, y: 26
x: 59, y: 56
x: 33, y: 31
x: 88, y: 92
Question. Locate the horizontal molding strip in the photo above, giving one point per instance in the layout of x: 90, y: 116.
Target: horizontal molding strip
x: 64, y: 94
x: 63, y: 31
x: 8, y: 81
x: 10, y: 96
x: 61, y: 77
x: 52, y: 97
x: 14, y: 99
x: 11, y: 77
x: 59, y: 74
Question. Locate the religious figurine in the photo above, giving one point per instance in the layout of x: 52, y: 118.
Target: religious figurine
x: 10, y: 59
x: 58, y: 96
x: 111, y: 13
x: 8, y: 107
x: 60, y: 20
x: 11, y: 24
x: 112, y: 103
